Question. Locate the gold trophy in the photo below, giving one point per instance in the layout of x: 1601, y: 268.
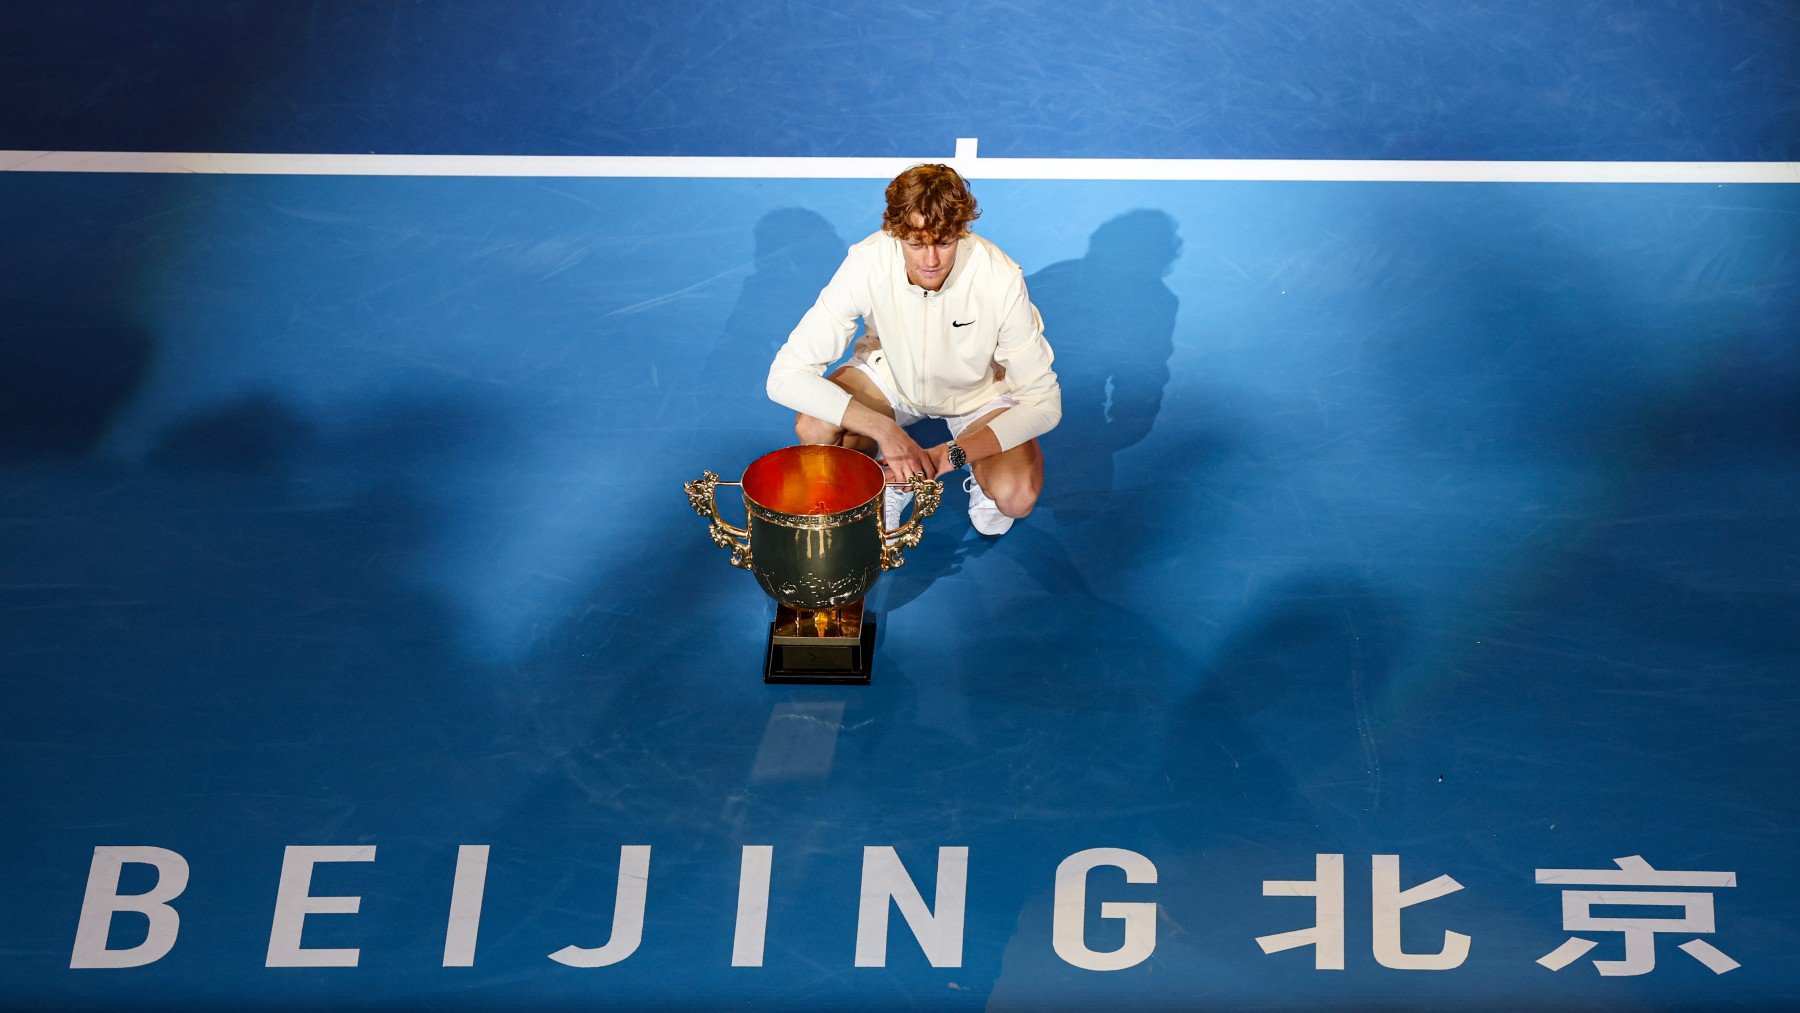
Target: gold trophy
x: 815, y: 539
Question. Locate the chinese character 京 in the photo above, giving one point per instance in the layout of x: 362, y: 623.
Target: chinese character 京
x: 1640, y: 933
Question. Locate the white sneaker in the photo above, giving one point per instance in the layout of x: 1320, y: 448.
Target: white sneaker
x: 984, y: 513
x: 894, y: 500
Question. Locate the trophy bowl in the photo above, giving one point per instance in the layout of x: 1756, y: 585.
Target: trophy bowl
x: 815, y: 539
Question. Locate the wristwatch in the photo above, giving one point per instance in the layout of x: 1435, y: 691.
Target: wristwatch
x: 958, y: 459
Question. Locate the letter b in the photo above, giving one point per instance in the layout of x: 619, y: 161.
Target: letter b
x: 102, y: 901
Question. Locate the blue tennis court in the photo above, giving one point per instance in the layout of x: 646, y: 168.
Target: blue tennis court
x: 1410, y: 619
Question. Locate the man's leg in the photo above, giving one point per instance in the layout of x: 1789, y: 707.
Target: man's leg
x: 818, y: 432
x: 1012, y: 478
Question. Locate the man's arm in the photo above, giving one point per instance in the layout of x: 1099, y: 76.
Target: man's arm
x: 1026, y: 357
x: 797, y: 376
x: 900, y: 454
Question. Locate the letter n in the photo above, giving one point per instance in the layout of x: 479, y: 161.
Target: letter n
x: 939, y: 929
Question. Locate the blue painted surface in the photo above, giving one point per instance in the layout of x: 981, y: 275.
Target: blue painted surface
x: 1453, y: 522
x: 1431, y: 79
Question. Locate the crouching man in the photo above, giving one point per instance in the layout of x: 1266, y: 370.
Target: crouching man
x: 948, y: 332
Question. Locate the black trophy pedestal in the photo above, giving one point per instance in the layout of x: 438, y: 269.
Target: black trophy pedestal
x: 835, y: 646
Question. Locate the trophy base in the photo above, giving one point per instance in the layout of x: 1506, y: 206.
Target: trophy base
x: 832, y: 646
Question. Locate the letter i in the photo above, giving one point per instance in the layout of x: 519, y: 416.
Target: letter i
x: 753, y: 906
x: 465, y: 905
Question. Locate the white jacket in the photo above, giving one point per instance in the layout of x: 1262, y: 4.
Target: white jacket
x: 942, y: 347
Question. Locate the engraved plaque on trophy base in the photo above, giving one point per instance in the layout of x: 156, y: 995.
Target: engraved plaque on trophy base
x: 835, y: 645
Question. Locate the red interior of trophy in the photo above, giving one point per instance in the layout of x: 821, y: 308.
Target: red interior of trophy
x: 812, y: 480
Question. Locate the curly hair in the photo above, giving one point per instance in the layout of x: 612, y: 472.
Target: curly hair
x: 938, y: 195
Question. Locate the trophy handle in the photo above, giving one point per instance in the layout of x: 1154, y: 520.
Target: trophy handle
x: 927, y: 493
x: 703, y: 496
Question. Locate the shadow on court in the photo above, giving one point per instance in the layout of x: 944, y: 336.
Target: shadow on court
x: 1111, y: 320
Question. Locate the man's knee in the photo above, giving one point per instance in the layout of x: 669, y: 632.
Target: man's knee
x: 1016, y: 496
x: 817, y: 432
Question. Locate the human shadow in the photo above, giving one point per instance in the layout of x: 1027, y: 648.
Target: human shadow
x: 254, y: 433
x: 721, y: 411
x: 1324, y: 642
x: 69, y: 364
x: 268, y: 618
x: 795, y: 252
x: 1111, y: 320
x: 1135, y: 736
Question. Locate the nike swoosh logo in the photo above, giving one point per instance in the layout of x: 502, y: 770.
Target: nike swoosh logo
x: 965, y: 323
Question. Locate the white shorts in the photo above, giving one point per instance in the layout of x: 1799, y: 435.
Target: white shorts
x: 875, y: 368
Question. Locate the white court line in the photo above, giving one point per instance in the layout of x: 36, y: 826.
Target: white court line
x: 965, y: 160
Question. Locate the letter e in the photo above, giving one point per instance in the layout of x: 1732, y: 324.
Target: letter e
x: 294, y: 901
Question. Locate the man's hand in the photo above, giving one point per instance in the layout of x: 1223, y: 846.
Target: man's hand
x: 900, y: 455
x: 905, y: 459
